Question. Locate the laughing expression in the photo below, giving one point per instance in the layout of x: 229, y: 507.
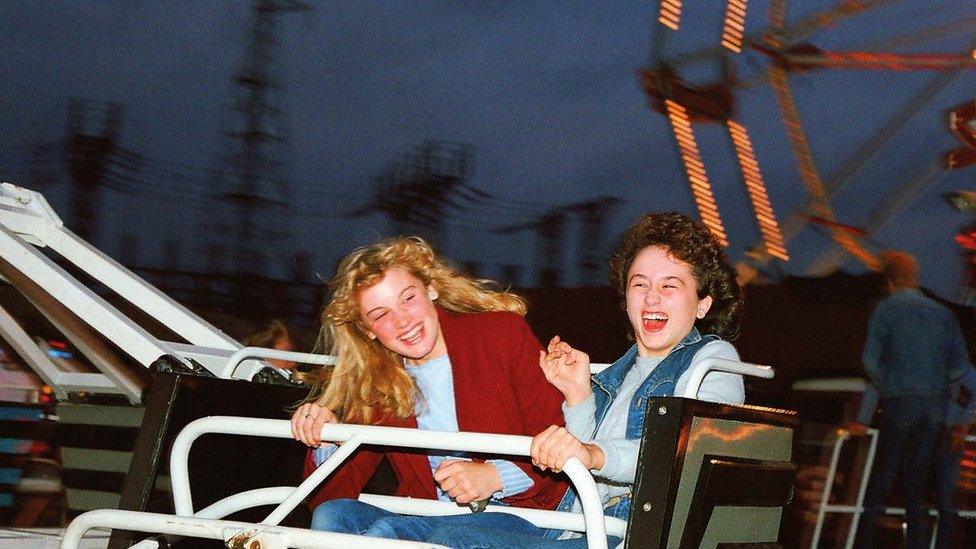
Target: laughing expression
x: 662, y: 301
x: 399, y: 312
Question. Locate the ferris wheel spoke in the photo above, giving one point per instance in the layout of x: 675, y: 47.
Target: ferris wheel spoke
x: 756, y: 188
x: 701, y: 189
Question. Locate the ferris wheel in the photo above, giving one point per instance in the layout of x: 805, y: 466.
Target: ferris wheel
x: 774, y: 55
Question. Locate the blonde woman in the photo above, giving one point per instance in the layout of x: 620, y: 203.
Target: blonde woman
x: 420, y: 345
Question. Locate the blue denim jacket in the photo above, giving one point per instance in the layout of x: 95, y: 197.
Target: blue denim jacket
x: 661, y: 382
x: 914, y: 346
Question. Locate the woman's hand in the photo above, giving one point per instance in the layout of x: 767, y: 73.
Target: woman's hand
x: 567, y: 369
x: 467, y: 481
x: 553, y: 447
x: 307, y: 422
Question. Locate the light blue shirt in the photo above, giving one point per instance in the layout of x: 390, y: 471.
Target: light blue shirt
x: 436, y: 411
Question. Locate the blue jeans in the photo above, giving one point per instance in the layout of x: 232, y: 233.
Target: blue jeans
x: 502, y: 532
x: 947, y: 468
x: 350, y: 516
x: 910, y: 431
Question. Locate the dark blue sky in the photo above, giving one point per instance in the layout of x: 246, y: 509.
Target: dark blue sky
x: 546, y: 92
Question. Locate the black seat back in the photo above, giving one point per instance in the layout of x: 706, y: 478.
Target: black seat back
x: 219, y: 465
x: 693, y: 485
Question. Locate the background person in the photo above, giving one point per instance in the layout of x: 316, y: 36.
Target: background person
x: 914, y: 346
x: 275, y: 335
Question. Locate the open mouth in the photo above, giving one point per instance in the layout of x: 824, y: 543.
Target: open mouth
x: 654, y: 322
x: 414, y: 335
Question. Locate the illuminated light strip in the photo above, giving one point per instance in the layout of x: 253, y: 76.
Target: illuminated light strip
x: 670, y: 15
x: 763, y: 208
x: 734, y: 25
x: 695, y: 169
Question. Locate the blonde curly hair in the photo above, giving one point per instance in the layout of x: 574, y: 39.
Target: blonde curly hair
x: 369, y: 381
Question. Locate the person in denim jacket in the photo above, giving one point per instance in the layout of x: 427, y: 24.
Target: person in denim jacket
x: 682, y: 299
x: 914, y: 347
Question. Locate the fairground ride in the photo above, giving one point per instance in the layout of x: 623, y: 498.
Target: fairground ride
x: 782, y: 53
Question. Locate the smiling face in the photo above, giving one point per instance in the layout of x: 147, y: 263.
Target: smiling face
x: 399, y: 312
x: 662, y: 301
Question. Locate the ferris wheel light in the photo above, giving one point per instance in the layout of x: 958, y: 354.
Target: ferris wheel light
x: 670, y: 14
x: 734, y: 25
x: 768, y: 227
x: 967, y: 240
x: 701, y: 189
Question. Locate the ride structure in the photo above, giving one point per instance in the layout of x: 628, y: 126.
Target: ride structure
x: 693, y: 479
x: 783, y: 47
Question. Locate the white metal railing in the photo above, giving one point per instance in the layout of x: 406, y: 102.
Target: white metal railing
x: 207, y: 524
x: 857, y: 508
x: 245, y: 353
x: 237, y: 534
x: 351, y: 437
x: 710, y: 364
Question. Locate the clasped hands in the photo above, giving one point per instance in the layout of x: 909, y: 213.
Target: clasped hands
x: 567, y: 369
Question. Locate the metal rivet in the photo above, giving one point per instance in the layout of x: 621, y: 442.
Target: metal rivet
x: 662, y: 410
x: 647, y: 507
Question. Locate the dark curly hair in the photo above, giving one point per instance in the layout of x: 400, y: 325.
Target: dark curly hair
x: 687, y: 240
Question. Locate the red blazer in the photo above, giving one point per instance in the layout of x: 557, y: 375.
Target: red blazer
x: 498, y: 388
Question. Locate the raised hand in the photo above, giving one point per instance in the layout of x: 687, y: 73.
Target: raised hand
x: 307, y: 422
x: 567, y: 369
x: 467, y: 481
x: 553, y: 447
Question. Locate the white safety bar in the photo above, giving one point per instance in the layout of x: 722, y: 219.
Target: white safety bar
x: 234, y: 533
x: 710, y: 364
x: 858, y: 507
x: 352, y: 436
x: 261, y: 352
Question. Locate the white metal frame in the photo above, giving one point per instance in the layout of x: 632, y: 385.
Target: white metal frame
x: 240, y: 355
x: 857, y: 509
x: 38, y: 361
x: 27, y: 221
x: 250, y: 536
x: 206, y: 523
x: 709, y: 364
x: 351, y: 436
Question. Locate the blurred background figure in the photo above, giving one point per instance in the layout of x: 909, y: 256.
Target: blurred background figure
x: 276, y: 335
x: 914, y: 348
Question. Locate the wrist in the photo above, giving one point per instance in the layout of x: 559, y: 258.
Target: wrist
x: 595, y: 458
x: 573, y: 398
x: 496, y: 479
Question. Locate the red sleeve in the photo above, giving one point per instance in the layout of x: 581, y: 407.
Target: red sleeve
x: 539, y: 405
x: 345, y: 482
